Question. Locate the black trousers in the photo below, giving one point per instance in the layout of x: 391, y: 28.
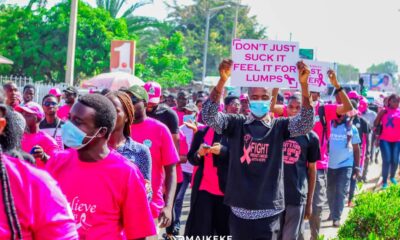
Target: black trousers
x: 258, y: 229
x: 209, y: 216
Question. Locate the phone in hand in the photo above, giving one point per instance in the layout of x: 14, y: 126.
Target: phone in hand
x: 206, y: 146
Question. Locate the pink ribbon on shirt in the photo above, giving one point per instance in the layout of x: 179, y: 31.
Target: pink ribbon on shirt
x: 246, y: 156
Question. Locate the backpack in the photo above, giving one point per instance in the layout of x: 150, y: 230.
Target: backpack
x: 322, y: 119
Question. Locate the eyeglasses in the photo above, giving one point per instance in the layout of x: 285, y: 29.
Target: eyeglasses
x: 48, y: 104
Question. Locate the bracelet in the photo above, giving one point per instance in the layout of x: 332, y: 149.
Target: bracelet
x: 339, y: 89
x: 357, y: 168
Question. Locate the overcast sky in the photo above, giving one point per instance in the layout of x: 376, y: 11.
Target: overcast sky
x: 357, y: 32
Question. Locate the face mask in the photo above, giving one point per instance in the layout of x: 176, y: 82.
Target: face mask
x: 259, y: 108
x: 189, y: 118
x: 73, y: 137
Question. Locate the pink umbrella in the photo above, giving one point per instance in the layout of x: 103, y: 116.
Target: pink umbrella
x: 112, y: 81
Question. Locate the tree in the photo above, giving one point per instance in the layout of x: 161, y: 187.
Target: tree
x: 385, y: 67
x: 166, y: 63
x: 347, y: 73
x: 191, y: 21
x: 37, y: 40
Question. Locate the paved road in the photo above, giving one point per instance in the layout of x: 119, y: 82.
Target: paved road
x: 327, y: 229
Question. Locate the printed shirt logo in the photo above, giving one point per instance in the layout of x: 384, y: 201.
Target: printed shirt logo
x: 390, y: 122
x: 82, y: 211
x: 254, y: 151
x: 147, y: 143
x: 291, y: 152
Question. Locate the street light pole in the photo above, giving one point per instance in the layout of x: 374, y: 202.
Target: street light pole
x: 205, y: 51
x: 69, y: 75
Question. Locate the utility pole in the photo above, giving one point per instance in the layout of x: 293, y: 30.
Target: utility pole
x: 69, y: 75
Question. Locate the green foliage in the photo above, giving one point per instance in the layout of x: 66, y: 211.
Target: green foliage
x: 36, y: 40
x: 166, y: 63
x: 386, y: 67
x: 347, y: 73
x: 191, y: 21
x: 375, y: 216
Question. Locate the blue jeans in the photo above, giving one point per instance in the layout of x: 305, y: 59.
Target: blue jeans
x: 187, y: 177
x: 338, y: 188
x: 390, y: 158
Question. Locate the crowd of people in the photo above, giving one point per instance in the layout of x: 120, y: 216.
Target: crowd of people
x: 118, y: 164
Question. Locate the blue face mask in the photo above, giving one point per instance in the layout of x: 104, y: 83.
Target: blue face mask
x: 189, y: 118
x: 259, y: 108
x: 73, y: 137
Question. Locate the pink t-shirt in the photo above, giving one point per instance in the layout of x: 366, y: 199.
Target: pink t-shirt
x: 209, y: 182
x: 107, y: 197
x: 180, y: 115
x: 63, y: 112
x: 49, y: 145
x: 330, y: 114
x: 156, y: 136
x: 42, y: 209
x: 183, y: 151
x: 391, y: 125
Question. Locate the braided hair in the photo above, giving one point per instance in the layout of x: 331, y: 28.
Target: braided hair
x: 128, y: 107
x: 8, y: 200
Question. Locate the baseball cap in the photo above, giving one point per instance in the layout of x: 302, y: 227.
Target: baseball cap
x: 55, y: 91
x: 353, y: 95
x: 183, y: 93
x: 71, y: 90
x: 153, y: 89
x: 139, y: 92
x: 191, y: 107
x: 243, y: 96
x: 33, y: 108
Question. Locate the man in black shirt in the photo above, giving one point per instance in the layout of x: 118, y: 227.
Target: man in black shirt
x: 51, y: 124
x: 299, y: 157
x: 161, y: 112
x: 254, y: 188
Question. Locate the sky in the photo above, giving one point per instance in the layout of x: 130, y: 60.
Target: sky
x: 356, y: 32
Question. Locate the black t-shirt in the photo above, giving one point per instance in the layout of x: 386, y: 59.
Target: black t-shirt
x: 50, y: 128
x: 362, y: 127
x: 167, y: 116
x: 255, y: 176
x: 297, y: 152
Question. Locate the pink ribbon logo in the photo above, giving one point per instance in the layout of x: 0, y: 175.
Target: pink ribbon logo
x: 246, y: 156
x: 292, y: 81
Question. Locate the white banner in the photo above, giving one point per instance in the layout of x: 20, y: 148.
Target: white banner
x: 318, y: 80
x: 263, y: 63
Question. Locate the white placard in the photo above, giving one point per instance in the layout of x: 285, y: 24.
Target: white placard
x: 318, y: 80
x: 264, y: 63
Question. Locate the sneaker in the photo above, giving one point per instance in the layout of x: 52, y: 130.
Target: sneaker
x: 394, y: 181
x: 336, y: 223
x: 384, y: 186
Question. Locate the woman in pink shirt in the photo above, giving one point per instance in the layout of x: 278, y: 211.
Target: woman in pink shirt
x: 389, y: 119
x: 32, y: 205
x: 41, y: 145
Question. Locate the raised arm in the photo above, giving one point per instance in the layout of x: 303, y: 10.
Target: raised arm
x: 346, y: 104
x: 303, y: 123
x: 276, y: 108
x: 211, y: 117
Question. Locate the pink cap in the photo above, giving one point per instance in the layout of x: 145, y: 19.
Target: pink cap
x: 55, y: 91
x: 353, y: 95
x: 33, y: 108
x: 153, y: 89
x: 243, y: 96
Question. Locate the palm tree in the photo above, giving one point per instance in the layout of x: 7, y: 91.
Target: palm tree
x: 135, y: 23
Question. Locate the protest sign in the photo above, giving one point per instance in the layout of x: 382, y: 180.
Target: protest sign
x: 318, y: 79
x: 263, y: 63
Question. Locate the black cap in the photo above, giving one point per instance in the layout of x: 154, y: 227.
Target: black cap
x: 71, y: 90
x: 183, y: 93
